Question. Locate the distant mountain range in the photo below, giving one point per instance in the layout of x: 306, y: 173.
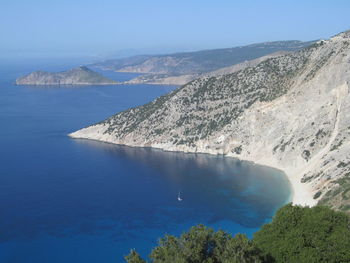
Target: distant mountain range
x: 180, y: 68
x: 77, y: 76
x: 173, y: 69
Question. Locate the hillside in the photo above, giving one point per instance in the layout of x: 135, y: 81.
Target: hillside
x: 183, y: 79
x: 180, y: 68
x: 290, y: 112
x: 77, y: 76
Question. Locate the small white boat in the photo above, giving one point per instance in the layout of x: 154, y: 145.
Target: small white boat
x: 179, y: 197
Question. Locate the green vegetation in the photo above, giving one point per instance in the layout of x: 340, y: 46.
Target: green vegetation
x: 238, y: 150
x: 336, y: 146
x: 203, y: 245
x: 319, y: 65
x: 134, y: 257
x: 339, y: 196
x: 317, y: 195
x: 306, y: 155
x: 296, y: 235
x: 309, y: 235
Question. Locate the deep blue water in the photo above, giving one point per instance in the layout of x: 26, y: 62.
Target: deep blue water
x: 64, y: 200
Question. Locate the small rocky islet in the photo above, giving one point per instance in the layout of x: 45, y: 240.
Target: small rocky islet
x: 76, y: 76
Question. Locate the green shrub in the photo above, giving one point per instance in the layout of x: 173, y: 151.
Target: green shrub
x: 134, y: 257
x: 295, y: 235
x: 203, y: 245
x: 299, y: 234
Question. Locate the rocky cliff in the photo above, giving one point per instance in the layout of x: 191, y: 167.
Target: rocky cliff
x: 77, y: 76
x: 290, y: 112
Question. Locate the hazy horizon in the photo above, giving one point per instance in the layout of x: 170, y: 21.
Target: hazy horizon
x: 113, y: 29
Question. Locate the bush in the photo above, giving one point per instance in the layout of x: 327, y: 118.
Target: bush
x: 134, y: 257
x: 295, y: 235
x: 204, y: 245
x: 302, y: 234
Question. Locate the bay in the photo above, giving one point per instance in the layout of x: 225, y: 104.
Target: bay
x: 66, y: 200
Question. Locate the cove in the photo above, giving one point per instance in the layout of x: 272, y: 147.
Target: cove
x: 66, y: 200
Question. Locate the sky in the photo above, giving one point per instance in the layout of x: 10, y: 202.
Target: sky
x: 107, y: 27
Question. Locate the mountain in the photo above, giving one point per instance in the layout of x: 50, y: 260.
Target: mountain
x: 290, y: 112
x: 77, y: 76
x: 179, y: 68
x: 183, y: 79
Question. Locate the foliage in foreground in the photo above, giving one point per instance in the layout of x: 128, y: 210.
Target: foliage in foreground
x: 296, y: 234
x: 202, y: 244
x: 299, y: 234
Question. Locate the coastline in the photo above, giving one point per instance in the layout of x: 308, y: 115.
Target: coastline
x: 301, y: 194
x: 67, y: 84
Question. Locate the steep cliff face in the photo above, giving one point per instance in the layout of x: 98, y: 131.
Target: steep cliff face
x: 290, y: 112
x: 77, y: 76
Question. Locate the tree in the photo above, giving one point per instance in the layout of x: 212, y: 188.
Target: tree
x: 134, y: 257
x: 296, y: 234
x: 203, y: 245
x: 241, y: 250
x: 303, y: 234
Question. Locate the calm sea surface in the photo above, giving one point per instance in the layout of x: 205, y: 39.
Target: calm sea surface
x: 65, y: 200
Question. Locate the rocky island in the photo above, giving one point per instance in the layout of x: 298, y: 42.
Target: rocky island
x: 290, y: 112
x: 76, y: 76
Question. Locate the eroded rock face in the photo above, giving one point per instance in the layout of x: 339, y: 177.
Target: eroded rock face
x: 77, y: 76
x: 290, y: 112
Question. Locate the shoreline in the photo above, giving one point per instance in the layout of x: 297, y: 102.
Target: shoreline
x: 301, y: 194
x: 75, y: 84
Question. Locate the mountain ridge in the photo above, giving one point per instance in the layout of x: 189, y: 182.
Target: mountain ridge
x: 179, y: 68
x: 165, y: 79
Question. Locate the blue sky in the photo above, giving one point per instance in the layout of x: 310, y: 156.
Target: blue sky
x: 87, y: 27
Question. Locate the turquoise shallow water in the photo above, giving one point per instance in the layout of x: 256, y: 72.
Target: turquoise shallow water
x: 65, y: 200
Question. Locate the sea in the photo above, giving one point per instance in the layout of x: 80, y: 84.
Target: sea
x: 66, y: 200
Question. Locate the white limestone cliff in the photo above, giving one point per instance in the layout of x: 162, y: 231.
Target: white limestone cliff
x: 291, y: 112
